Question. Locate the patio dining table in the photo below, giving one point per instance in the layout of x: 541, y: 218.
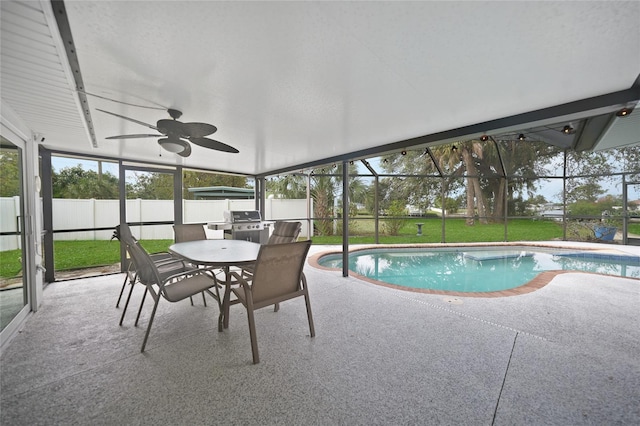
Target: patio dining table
x: 218, y: 253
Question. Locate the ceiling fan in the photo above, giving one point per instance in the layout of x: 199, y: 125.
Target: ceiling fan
x: 175, y: 135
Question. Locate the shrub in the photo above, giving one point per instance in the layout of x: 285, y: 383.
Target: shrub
x: 395, y: 219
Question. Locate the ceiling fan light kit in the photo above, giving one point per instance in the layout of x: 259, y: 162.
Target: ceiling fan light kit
x: 177, y: 135
x: 173, y: 145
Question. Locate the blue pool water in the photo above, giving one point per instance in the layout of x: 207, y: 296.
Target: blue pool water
x: 476, y: 269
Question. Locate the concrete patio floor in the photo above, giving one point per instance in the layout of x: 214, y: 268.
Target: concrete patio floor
x: 566, y: 354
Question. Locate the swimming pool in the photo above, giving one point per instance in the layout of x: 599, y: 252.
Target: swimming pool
x: 476, y: 269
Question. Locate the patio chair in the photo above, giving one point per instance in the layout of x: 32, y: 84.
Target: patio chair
x: 167, y: 265
x: 277, y: 276
x: 190, y: 232
x: 122, y: 233
x: 283, y: 232
x: 173, y: 288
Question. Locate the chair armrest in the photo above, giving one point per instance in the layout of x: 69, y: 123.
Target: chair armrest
x: 164, y: 260
x: 156, y: 257
x: 241, y: 279
x: 188, y: 273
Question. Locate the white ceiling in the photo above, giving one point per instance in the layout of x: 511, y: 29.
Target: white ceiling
x: 298, y: 83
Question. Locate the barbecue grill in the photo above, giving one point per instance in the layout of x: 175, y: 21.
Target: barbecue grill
x: 243, y: 225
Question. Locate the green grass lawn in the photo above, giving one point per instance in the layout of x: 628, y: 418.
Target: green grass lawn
x: 85, y: 254
x: 362, y: 232
x: 78, y: 254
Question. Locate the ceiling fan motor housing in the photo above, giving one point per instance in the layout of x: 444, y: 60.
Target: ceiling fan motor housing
x: 174, y: 113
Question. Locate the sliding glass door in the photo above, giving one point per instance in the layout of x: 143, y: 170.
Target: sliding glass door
x: 13, y: 281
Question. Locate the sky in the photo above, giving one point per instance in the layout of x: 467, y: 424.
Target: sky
x: 59, y: 163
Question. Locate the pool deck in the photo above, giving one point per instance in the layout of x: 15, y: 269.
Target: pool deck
x: 566, y: 354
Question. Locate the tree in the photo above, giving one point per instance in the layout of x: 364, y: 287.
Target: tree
x: 159, y: 186
x: 420, y: 191
x: 592, y: 170
x: 151, y: 186
x: 324, y: 187
x: 322, y: 192
x: 451, y: 205
x: 476, y: 164
x: 9, y: 173
x: 589, y: 167
x: 537, y: 199
x: 75, y: 182
x: 289, y: 186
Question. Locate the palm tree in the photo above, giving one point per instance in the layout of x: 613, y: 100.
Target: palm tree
x: 324, y: 188
x: 289, y: 186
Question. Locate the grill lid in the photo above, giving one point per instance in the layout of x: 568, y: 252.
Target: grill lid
x: 242, y: 216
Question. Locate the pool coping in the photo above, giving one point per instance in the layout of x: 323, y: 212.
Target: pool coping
x: 538, y: 282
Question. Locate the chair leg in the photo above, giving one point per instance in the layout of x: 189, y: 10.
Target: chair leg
x: 153, y: 314
x: 124, y: 284
x: 254, y: 339
x: 144, y: 295
x: 204, y: 300
x: 221, y: 304
x: 276, y: 307
x: 126, y: 304
x: 191, y: 298
x: 309, y: 316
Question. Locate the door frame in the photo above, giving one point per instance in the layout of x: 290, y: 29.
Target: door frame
x: 29, y: 225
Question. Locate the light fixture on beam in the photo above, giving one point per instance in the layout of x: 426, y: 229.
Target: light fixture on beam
x: 484, y: 138
x: 521, y: 137
x: 624, y: 112
x: 403, y: 152
x: 568, y: 130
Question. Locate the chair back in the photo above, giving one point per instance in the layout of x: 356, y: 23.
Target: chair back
x: 189, y: 232
x: 146, y: 270
x: 123, y: 233
x: 126, y: 238
x: 285, y: 232
x: 278, y: 270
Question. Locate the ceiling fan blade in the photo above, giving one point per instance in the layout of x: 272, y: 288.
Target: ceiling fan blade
x: 133, y: 136
x: 199, y: 130
x: 212, y: 144
x: 130, y: 119
x: 171, y: 127
x: 186, y: 152
x: 185, y: 130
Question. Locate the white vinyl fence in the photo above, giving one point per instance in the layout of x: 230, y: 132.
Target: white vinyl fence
x: 9, y: 215
x: 75, y: 214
